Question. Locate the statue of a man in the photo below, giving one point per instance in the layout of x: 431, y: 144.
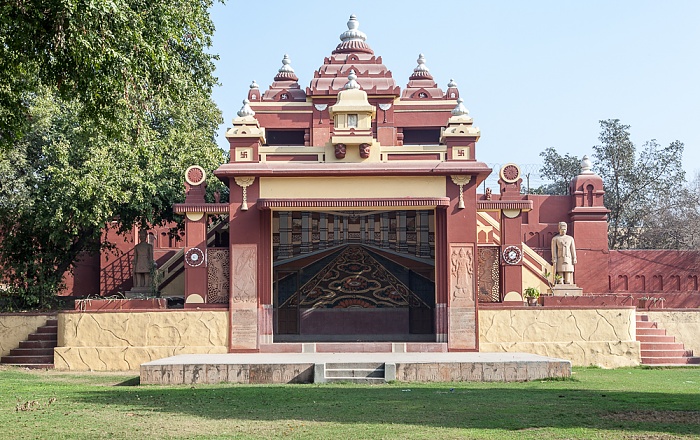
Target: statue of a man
x: 564, y: 255
x: 143, y: 262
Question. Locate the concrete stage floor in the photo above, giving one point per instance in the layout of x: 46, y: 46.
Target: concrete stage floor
x: 355, y: 367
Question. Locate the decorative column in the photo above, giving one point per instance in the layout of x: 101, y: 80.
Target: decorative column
x: 401, y: 245
x: 511, y: 226
x: 384, y: 229
x: 286, y: 248
x: 455, y: 236
x: 195, y: 238
x: 589, y: 228
x: 363, y: 230
x: 323, y: 230
x: 306, y: 243
x: 250, y: 298
x: 336, y: 230
x: 423, y: 234
x: 371, y: 230
x: 345, y: 229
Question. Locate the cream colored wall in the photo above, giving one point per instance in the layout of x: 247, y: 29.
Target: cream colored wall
x: 15, y: 328
x: 684, y: 325
x: 602, y: 337
x: 123, y: 341
x: 351, y: 187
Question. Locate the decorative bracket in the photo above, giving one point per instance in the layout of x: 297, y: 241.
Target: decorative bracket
x: 461, y: 181
x: 320, y: 108
x: 384, y: 107
x: 244, y: 182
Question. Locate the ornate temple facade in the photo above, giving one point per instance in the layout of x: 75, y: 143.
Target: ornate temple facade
x: 354, y: 216
x: 354, y: 213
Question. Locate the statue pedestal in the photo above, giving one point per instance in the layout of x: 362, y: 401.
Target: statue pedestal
x: 567, y: 290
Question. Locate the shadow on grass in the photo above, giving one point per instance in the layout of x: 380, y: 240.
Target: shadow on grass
x: 134, y: 381
x: 435, y: 405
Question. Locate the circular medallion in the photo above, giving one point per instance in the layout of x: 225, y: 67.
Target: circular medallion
x: 512, y: 255
x: 194, y: 257
x: 510, y: 173
x: 195, y: 175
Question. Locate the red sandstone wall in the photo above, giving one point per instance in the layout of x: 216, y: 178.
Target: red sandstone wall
x: 661, y: 271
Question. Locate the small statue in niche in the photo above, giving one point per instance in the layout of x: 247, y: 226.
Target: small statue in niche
x: 143, y: 262
x: 364, y: 150
x: 340, y: 150
x: 564, y: 255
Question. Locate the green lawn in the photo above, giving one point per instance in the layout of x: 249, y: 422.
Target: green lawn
x: 624, y: 403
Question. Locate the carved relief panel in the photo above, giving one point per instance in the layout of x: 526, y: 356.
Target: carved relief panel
x: 218, y: 275
x: 244, y: 265
x: 462, y: 274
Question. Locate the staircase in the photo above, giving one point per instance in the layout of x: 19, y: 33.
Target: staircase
x: 37, y: 351
x: 657, y: 348
x: 359, y: 372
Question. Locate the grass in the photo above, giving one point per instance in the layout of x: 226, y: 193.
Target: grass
x: 625, y: 403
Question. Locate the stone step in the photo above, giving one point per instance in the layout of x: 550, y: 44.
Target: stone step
x: 52, y: 322
x: 47, y: 329
x: 661, y: 346
x: 359, y: 380
x: 646, y: 324
x: 31, y: 352
x: 43, y: 337
x: 655, y: 338
x: 665, y: 353
x: 38, y: 344
x: 34, y: 366
x: 651, y: 331
x: 669, y: 360
x: 642, y: 317
x: 355, y: 373
x: 354, y: 365
x: 23, y: 360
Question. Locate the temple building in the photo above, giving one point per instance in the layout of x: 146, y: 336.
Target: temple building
x: 358, y: 221
x: 354, y: 214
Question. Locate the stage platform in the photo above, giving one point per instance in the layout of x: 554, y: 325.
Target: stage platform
x: 259, y: 368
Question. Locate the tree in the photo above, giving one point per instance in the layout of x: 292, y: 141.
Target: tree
x: 637, y: 187
x: 650, y: 206
x: 114, y: 104
x: 558, y: 169
x: 113, y: 57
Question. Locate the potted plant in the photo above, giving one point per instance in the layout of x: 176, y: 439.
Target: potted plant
x: 532, y: 295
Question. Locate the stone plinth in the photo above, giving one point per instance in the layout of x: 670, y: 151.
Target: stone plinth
x: 567, y: 290
x: 300, y: 367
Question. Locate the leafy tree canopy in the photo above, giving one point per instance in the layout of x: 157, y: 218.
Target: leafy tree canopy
x: 650, y: 204
x: 114, y: 104
x: 113, y: 57
x: 559, y: 170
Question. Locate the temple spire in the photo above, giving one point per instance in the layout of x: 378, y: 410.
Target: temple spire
x: 286, y: 72
x: 421, y: 71
x: 246, y: 110
x: 353, y: 40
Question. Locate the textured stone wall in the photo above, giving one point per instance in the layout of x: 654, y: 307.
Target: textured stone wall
x: 602, y: 337
x: 683, y: 324
x: 16, y: 327
x: 123, y: 341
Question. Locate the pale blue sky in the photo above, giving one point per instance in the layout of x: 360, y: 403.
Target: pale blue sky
x: 533, y: 74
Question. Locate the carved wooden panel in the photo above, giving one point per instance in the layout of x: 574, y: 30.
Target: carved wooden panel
x: 489, y: 274
x: 218, y: 275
